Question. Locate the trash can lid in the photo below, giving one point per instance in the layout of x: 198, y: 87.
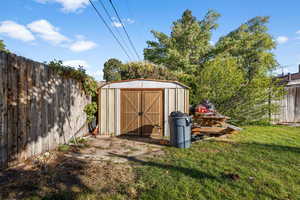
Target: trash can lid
x: 178, y: 114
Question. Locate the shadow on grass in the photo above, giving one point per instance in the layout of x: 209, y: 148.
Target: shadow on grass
x: 193, y: 173
x: 60, y: 180
x: 265, y: 190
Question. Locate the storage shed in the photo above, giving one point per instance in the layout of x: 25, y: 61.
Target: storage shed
x: 140, y: 106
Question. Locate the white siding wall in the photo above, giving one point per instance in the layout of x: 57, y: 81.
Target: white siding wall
x: 109, y: 111
x: 175, y: 100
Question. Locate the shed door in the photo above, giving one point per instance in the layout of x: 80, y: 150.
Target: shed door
x: 142, y: 112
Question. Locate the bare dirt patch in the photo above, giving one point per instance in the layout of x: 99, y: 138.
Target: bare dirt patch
x: 101, y: 167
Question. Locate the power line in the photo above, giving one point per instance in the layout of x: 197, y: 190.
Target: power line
x: 110, y: 18
x: 123, y: 26
x: 107, y: 26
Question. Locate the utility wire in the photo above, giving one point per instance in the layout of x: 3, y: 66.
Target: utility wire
x: 110, y: 18
x: 123, y: 26
x: 108, y: 27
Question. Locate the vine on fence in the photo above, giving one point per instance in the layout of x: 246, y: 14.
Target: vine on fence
x: 89, y: 84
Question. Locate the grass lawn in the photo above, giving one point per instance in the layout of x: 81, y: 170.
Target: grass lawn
x: 259, y: 163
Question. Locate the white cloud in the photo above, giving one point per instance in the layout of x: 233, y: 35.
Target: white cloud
x: 16, y: 31
x: 298, y: 32
x: 282, y: 39
x: 117, y: 24
x: 68, y: 5
x: 76, y: 63
x: 129, y: 21
x: 47, y: 31
x: 82, y: 45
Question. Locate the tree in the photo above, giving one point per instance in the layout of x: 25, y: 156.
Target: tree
x: 134, y: 70
x: 3, y: 46
x: 251, y: 46
x: 233, y: 73
x: 112, y: 70
x: 188, y: 43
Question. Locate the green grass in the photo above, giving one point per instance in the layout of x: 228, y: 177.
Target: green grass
x: 63, y: 147
x: 266, y: 160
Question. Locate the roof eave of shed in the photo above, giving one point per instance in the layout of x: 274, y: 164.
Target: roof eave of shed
x: 142, y: 79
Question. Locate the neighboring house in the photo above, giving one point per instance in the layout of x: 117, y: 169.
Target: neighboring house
x: 290, y: 104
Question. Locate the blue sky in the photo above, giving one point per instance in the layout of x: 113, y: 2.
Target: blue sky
x: 69, y: 30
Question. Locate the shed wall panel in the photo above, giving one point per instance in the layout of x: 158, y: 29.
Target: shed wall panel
x: 117, y: 111
x: 172, y: 100
x: 166, y: 113
x: 181, y: 100
x: 111, y: 112
x: 103, y: 111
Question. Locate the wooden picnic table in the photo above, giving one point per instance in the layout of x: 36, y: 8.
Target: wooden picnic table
x: 214, y: 120
x: 214, y: 124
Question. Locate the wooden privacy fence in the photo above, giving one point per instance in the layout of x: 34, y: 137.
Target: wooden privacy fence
x: 289, y: 106
x: 38, y: 109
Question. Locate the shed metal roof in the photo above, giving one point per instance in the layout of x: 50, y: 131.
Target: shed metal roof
x: 144, y: 83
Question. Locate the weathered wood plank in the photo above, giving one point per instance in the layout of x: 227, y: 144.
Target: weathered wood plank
x: 44, y: 109
x: 56, y: 110
x: 29, y: 142
x: 12, y: 109
x: 39, y: 113
x: 34, y: 123
x: 51, y: 109
x: 22, y: 104
x: 3, y: 110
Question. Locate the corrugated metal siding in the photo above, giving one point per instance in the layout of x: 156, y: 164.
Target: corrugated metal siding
x: 289, y: 107
x: 108, y: 111
x: 175, y: 99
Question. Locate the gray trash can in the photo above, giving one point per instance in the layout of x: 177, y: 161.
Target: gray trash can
x: 180, y: 135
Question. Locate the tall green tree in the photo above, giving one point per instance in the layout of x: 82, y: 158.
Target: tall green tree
x: 233, y: 73
x: 111, y: 70
x: 188, y: 43
x: 251, y: 46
